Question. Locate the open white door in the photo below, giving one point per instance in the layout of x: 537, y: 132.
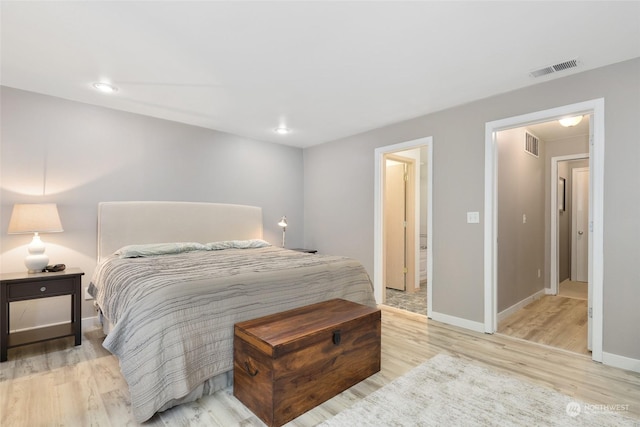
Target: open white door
x: 394, y: 212
x: 580, y: 227
x: 581, y: 238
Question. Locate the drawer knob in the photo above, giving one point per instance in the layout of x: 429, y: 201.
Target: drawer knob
x: 42, y: 289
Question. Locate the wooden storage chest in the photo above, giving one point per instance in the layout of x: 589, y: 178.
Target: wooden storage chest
x: 290, y: 362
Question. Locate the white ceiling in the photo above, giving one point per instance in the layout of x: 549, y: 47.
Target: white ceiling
x: 325, y: 69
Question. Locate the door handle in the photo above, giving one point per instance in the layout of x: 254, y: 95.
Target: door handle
x: 580, y: 233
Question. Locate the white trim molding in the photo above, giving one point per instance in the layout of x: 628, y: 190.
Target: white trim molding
x: 517, y: 306
x: 594, y: 107
x: 457, y: 321
x: 621, y: 362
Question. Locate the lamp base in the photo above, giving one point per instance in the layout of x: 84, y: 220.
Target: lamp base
x: 36, y: 263
x: 37, y: 260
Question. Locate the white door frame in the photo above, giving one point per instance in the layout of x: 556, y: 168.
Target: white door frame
x: 378, y: 223
x: 594, y: 107
x: 553, y: 238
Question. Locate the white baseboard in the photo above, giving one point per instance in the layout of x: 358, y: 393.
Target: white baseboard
x: 517, y: 306
x: 457, y: 321
x: 30, y: 328
x: 89, y: 323
x: 621, y: 362
x: 86, y: 321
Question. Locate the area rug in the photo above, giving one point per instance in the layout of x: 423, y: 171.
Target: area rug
x: 448, y: 391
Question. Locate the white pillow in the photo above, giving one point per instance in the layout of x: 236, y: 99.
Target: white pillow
x: 237, y: 244
x: 152, y: 249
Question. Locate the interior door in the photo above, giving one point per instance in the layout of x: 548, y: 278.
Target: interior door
x: 394, y: 224
x: 580, y: 219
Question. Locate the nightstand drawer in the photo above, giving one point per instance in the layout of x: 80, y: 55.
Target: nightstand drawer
x: 40, y: 289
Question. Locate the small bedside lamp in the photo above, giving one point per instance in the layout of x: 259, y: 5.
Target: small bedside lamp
x: 283, y: 224
x: 35, y: 218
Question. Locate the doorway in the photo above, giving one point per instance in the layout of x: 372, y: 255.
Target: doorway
x: 529, y: 307
x: 560, y: 216
x: 595, y: 251
x: 419, y: 257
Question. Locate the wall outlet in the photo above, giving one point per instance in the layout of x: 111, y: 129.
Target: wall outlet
x: 87, y: 295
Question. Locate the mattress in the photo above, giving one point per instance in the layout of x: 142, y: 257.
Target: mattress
x: 172, y: 315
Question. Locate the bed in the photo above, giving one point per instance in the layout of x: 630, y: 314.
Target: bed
x: 174, y: 277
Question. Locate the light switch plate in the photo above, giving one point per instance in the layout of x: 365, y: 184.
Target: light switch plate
x: 473, y: 217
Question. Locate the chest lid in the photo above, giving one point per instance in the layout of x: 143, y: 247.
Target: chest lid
x: 290, y: 330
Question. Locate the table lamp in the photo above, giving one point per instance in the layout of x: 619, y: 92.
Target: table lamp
x: 35, y: 218
x: 283, y: 224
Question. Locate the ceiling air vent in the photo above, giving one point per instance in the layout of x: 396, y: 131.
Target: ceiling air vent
x: 555, y: 68
x: 531, y: 144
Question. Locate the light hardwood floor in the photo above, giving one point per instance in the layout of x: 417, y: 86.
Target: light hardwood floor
x: 556, y: 321
x: 57, y: 384
x: 571, y: 289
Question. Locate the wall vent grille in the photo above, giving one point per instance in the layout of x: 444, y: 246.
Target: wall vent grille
x: 531, y: 144
x: 572, y: 63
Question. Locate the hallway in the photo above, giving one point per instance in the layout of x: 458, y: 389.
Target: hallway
x: 556, y: 321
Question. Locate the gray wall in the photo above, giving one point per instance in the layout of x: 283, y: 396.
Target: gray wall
x: 78, y: 155
x: 339, y: 195
x: 521, y: 178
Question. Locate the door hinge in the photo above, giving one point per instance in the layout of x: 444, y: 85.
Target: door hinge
x: 404, y: 224
x: 405, y: 270
x: 406, y: 177
x: 590, y: 312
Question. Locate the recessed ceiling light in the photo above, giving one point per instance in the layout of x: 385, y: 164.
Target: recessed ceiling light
x: 105, y: 87
x: 281, y: 130
x: 570, y: 121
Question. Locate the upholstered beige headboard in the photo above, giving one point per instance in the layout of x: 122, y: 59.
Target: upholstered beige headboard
x: 129, y: 223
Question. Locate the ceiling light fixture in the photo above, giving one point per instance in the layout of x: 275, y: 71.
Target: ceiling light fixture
x: 281, y: 130
x: 105, y: 87
x: 570, y: 121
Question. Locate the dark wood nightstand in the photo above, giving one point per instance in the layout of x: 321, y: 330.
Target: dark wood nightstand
x: 25, y: 286
x: 307, y: 251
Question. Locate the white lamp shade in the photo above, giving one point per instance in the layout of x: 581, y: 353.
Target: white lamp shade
x: 35, y: 218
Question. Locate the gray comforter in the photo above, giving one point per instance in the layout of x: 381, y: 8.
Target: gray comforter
x: 173, y: 315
